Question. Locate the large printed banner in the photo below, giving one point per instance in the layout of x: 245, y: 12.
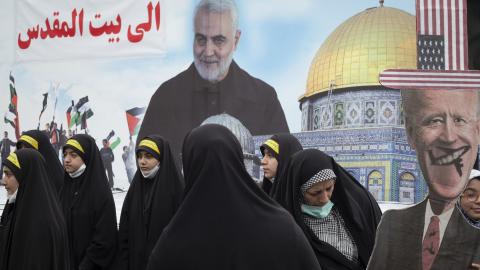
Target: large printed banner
x: 391, y: 94
x: 49, y: 30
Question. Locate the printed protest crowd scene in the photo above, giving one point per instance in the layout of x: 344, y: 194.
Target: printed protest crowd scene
x: 217, y: 181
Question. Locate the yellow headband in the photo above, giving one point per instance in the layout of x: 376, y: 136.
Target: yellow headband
x: 274, y: 145
x: 150, y: 144
x: 13, y: 158
x: 30, y: 140
x: 75, y: 144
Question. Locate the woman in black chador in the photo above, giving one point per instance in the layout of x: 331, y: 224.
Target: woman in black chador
x: 279, y: 147
x: 88, y: 205
x: 37, y: 140
x: 151, y: 201
x: 337, y: 214
x: 226, y: 221
x: 34, y: 236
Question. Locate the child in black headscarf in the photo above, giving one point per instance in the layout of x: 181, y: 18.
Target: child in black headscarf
x: 152, y: 200
x: 277, y: 150
x: 88, y: 205
x: 34, y: 236
x: 226, y: 221
x: 37, y: 140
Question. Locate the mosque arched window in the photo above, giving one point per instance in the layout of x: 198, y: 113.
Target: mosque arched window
x: 407, y: 187
x: 375, y: 184
x: 375, y: 178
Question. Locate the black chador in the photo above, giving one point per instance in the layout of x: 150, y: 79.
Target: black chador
x: 282, y: 147
x: 89, y: 209
x: 355, y: 204
x: 37, y: 140
x: 226, y: 221
x: 34, y: 235
x: 149, y: 205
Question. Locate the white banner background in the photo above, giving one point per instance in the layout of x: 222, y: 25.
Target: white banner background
x: 58, y: 29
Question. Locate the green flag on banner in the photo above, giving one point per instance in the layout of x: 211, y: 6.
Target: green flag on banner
x: 115, y: 143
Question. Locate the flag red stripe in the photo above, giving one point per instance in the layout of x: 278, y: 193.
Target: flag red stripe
x: 415, y: 80
x: 434, y: 17
x: 439, y: 76
x: 445, y: 6
x: 419, y: 18
x: 69, y: 119
x: 441, y: 16
x: 410, y: 72
x: 465, y: 35
x: 430, y: 87
x: 15, y: 101
x: 425, y: 17
x: 448, y: 36
x: 429, y: 79
x: 457, y: 32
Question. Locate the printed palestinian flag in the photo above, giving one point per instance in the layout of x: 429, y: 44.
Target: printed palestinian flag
x: 115, y: 143
x: 134, y: 117
x: 69, y: 114
x: 11, y: 116
x: 80, y: 113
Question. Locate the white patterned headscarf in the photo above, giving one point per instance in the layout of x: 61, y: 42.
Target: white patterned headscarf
x: 323, y: 175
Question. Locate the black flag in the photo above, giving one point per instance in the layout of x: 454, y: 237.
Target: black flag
x: 44, y: 104
x: 110, y: 135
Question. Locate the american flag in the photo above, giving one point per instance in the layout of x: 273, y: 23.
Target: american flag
x: 442, y: 23
x: 442, y: 50
x: 430, y: 79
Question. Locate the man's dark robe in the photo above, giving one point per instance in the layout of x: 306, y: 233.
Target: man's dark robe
x: 107, y: 158
x: 89, y: 210
x: 184, y: 101
x: 5, y: 147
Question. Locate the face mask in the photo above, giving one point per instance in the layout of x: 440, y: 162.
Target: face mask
x: 317, y: 211
x: 78, y: 172
x: 150, y: 174
x: 12, y: 198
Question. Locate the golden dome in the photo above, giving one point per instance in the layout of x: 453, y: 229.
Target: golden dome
x: 361, y: 47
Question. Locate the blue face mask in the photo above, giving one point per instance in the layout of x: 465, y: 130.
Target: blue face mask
x: 317, y: 211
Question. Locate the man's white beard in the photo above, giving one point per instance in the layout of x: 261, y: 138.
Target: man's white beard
x: 12, y: 197
x: 213, y: 74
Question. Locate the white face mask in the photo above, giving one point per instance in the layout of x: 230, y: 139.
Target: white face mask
x: 78, y: 172
x: 12, y: 198
x: 150, y: 174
